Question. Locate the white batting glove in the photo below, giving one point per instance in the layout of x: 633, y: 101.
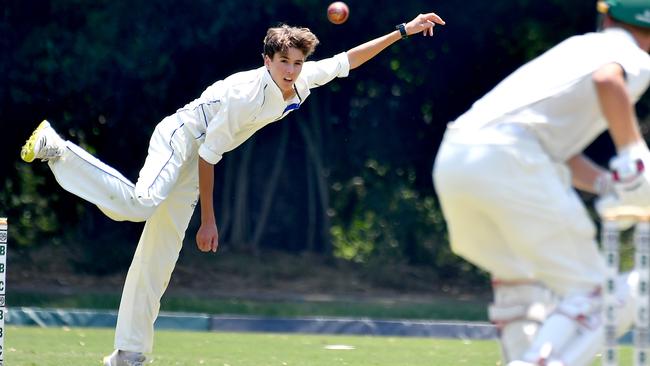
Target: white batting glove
x: 631, y: 175
x: 604, y: 184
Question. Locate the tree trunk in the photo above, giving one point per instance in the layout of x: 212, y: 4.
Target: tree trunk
x: 315, y: 155
x: 241, y: 211
x: 311, y: 205
x: 225, y: 217
x: 271, y: 187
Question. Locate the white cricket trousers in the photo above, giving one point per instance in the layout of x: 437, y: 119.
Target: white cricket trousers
x: 512, y: 211
x: 164, y: 196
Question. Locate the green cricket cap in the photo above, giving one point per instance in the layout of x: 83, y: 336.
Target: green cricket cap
x: 635, y: 12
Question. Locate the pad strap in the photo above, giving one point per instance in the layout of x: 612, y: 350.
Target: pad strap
x: 520, y: 300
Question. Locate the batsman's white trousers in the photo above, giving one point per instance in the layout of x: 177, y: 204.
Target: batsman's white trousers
x: 164, y: 196
x: 512, y: 211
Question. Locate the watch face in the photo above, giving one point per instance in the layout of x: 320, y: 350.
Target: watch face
x: 402, y: 30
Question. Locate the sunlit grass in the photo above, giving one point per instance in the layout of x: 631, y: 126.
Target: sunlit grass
x: 31, y: 346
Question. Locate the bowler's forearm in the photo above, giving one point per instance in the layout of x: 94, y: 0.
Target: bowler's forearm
x: 364, y: 52
x: 422, y: 23
x: 206, y: 188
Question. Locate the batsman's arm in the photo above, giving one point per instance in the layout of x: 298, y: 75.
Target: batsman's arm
x: 616, y: 105
x: 422, y: 23
x: 588, y: 176
x: 207, y: 237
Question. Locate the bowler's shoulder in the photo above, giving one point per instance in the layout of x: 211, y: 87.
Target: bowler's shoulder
x: 244, y: 79
x: 338, y: 59
x: 245, y: 85
x: 324, y: 70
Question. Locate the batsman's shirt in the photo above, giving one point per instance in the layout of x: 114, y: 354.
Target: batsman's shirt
x: 554, y: 96
x: 231, y: 110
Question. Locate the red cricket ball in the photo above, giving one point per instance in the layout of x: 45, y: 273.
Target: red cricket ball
x: 338, y: 12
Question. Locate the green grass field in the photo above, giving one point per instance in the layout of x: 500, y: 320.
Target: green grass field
x: 31, y: 346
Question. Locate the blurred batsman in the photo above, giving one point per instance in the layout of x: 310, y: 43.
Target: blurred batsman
x: 505, y: 176
x: 179, y: 167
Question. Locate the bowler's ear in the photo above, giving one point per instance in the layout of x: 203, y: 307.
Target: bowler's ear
x: 267, y: 60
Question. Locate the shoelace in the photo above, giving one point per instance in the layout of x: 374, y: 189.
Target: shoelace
x: 139, y: 362
x: 46, y: 153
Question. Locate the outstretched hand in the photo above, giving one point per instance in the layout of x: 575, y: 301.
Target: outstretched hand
x: 424, y: 23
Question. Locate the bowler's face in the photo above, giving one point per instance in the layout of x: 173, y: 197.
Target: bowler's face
x: 285, y: 68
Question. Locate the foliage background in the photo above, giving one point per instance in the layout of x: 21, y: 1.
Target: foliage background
x: 347, y: 177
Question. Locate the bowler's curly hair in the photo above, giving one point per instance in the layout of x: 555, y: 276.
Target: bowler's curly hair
x: 282, y: 37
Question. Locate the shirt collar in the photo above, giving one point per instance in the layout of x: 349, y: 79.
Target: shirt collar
x: 272, y: 87
x: 621, y: 33
x: 275, y: 92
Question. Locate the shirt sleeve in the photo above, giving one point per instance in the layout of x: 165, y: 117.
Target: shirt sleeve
x: 222, y: 130
x: 218, y: 135
x: 636, y: 67
x: 321, y: 72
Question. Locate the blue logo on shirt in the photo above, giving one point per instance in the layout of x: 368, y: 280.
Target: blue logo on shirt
x: 291, y: 107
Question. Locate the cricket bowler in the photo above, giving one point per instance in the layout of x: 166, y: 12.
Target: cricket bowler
x: 179, y: 167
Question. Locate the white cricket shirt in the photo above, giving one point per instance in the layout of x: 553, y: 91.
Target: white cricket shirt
x: 554, y: 97
x: 231, y: 110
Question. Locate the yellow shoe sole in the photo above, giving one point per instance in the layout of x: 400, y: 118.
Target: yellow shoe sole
x: 27, y: 153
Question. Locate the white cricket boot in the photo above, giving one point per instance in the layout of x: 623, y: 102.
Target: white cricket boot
x: 44, y: 144
x: 122, y: 358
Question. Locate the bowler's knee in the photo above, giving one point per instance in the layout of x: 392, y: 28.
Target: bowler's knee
x: 133, y: 214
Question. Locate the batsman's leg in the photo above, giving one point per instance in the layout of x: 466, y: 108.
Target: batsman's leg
x: 571, y: 335
x: 518, y: 311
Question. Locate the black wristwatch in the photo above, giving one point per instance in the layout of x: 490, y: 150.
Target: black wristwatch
x: 402, y: 30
